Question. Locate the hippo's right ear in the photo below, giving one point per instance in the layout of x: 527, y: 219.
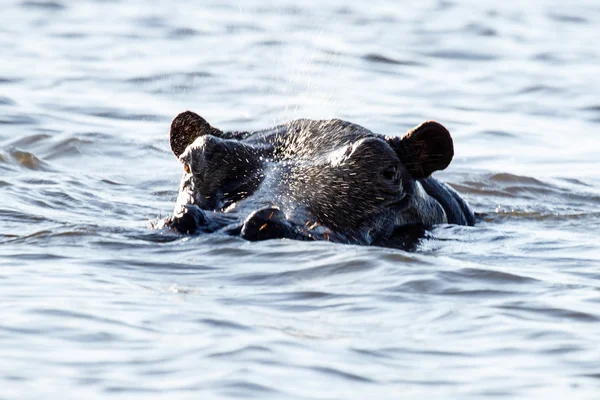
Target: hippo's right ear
x: 187, y: 127
x: 424, y: 149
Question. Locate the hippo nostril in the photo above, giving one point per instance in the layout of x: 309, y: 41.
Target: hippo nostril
x: 267, y: 223
x: 188, y: 219
x: 390, y: 173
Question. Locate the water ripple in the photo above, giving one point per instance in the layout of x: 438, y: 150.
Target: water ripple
x: 95, y: 302
x: 536, y: 312
x: 44, y: 5
x: 378, y: 58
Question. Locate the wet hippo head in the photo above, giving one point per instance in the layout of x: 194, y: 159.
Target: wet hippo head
x: 315, y: 180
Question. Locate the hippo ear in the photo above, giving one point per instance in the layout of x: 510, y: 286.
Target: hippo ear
x: 187, y: 127
x: 424, y: 149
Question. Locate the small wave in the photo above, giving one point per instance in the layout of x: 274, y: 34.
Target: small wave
x: 28, y: 160
x: 157, y: 236
x: 305, y: 295
x: 154, y: 22
x: 68, y: 147
x: 108, y: 112
x: 179, y: 33
x: 481, y: 30
x: 535, y: 311
x: 4, y: 79
x: 240, y: 388
x: 172, y: 76
x: 21, y: 216
x: 71, y: 35
x: 156, y: 264
x: 485, y: 275
x: 122, y: 115
x: 571, y: 19
x: 47, y: 234
x: 526, y: 189
x: 378, y: 58
x: 499, y: 134
x: 30, y: 140
x: 6, y: 101
x: 269, y: 43
x: 309, y: 272
x: 592, y: 108
x: 543, y: 89
x: 242, y: 352
x: 594, y: 376
x: 15, y: 119
x: 506, y: 177
x: 578, y: 182
x: 33, y: 256
x: 223, y: 324
x: 178, y: 82
x: 342, y: 374
x: 420, y: 286
x: 461, y: 55
x: 550, y: 215
x: 44, y: 5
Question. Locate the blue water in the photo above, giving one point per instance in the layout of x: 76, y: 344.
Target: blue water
x: 95, y: 304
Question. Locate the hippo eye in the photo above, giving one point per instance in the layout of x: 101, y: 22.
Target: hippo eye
x: 389, y: 173
x: 186, y: 168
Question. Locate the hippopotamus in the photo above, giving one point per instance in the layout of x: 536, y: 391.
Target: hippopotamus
x: 314, y: 180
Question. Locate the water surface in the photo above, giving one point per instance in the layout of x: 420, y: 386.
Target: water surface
x: 94, y: 304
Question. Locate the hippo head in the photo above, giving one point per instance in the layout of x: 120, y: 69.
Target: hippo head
x: 308, y: 180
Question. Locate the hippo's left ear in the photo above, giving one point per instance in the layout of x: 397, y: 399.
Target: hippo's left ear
x: 187, y: 127
x: 424, y: 149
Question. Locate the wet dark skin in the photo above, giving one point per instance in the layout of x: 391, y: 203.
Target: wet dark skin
x: 314, y: 180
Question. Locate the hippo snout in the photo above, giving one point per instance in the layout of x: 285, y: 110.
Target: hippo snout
x: 267, y: 223
x: 189, y: 219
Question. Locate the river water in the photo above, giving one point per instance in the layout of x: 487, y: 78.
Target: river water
x: 95, y: 304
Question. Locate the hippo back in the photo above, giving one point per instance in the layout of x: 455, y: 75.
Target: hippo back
x: 457, y: 210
